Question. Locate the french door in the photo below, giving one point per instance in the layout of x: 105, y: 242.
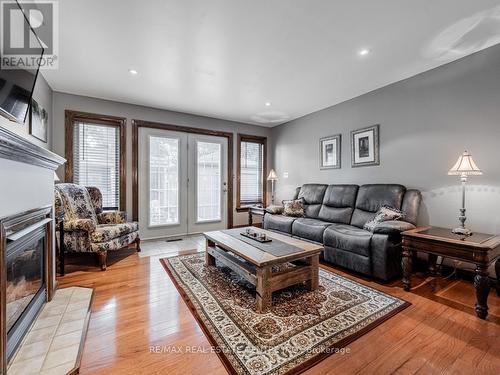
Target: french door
x: 182, y: 183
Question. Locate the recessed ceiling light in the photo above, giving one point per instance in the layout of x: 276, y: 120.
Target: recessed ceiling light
x: 364, y: 52
x: 267, y: 104
x: 133, y: 71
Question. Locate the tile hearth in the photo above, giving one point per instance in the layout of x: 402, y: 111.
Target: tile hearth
x: 54, y: 342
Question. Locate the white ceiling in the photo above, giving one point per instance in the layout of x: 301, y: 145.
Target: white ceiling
x: 227, y: 58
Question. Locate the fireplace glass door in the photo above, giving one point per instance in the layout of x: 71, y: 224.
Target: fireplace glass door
x: 25, y: 275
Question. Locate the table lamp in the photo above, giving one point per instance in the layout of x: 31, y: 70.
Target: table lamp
x: 464, y: 167
x: 272, y: 177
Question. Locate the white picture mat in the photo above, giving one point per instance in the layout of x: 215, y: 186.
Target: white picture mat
x: 329, y: 159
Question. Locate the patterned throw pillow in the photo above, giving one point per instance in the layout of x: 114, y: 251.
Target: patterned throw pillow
x: 293, y: 208
x: 385, y: 213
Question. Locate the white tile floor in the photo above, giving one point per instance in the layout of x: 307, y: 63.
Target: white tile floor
x: 162, y: 248
x: 51, y: 346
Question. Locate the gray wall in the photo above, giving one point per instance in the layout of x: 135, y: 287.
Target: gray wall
x: 43, y: 95
x: 425, y: 123
x: 64, y: 101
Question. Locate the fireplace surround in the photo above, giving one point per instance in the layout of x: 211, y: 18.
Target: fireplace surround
x: 26, y: 206
x: 25, y: 240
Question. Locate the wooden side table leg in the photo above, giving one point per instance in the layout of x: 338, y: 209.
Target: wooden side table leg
x: 209, y: 258
x: 482, y: 285
x: 432, y: 259
x: 263, y: 292
x: 406, y: 265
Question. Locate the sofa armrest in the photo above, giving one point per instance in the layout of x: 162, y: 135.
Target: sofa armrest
x: 274, y: 210
x: 112, y: 217
x: 392, y: 227
x: 87, y: 225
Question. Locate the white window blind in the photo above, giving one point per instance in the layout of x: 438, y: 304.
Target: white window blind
x: 251, y: 173
x: 96, y: 160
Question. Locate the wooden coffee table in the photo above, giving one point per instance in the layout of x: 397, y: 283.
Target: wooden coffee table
x: 255, y: 265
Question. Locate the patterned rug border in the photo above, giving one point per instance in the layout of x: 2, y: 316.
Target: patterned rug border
x: 303, y: 366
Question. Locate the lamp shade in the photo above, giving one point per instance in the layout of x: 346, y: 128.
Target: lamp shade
x: 465, y: 165
x: 56, y: 177
x: 272, y: 175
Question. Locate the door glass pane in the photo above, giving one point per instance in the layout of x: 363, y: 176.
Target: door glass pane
x: 208, y: 181
x: 163, y: 181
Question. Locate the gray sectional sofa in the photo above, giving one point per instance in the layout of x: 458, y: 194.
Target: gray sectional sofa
x: 335, y: 216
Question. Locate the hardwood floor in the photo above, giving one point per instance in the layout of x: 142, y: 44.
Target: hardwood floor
x: 137, y: 313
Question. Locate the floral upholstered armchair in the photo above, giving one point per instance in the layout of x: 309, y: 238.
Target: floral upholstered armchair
x: 87, y: 228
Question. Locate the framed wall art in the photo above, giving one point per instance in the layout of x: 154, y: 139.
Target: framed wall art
x: 365, y: 146
x: 38, y: 121
x: 329, y: 152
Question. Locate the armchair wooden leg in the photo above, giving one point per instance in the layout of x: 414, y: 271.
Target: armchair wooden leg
x: 138, y: 244
x: 102, y: 259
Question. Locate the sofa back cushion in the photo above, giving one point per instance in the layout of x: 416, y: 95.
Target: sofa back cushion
x: 76, y: 202
x: 338, y: 203
x: 312, y: 195
x: 371, y: 197
x: 95, y: 198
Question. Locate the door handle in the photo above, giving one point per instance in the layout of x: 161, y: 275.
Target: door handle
x: 224, y: 189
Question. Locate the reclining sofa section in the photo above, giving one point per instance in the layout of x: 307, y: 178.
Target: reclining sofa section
x: 335, y: 216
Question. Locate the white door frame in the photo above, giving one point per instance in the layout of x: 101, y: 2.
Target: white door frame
x: 137, y: 124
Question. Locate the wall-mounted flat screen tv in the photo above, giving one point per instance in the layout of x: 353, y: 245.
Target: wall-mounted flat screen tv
x: 16, y: 85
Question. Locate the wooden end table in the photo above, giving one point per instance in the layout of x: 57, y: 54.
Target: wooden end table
x: 255, y: 265
x: 255, y: 211
x: 480, y: 249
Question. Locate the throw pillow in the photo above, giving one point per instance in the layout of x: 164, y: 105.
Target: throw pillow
x: 293, y: 208
x: 385, y: 213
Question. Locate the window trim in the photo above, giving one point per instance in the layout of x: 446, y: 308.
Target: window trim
x: 72, y: 117
x: 263, y: 142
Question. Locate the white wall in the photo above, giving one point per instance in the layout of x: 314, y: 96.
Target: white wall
x: 62, y: 102
x: 425, y: 123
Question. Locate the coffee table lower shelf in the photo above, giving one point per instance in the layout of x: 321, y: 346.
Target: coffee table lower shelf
x: 265, y: 280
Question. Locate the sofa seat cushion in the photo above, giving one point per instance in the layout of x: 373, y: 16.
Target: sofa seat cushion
x: 311, y: 229
x: 114, y: 244
x: 349, y: 238
x: 279, y: 223
x: 104, y: 232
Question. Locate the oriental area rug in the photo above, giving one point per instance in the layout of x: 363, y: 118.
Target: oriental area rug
x: 300, y: 329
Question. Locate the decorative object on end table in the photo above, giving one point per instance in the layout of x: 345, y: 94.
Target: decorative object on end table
x: 38, y: 121
x: 365, y: 146
x: 272, y: 177
x: 465, y: 166
x: 329, y: 152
